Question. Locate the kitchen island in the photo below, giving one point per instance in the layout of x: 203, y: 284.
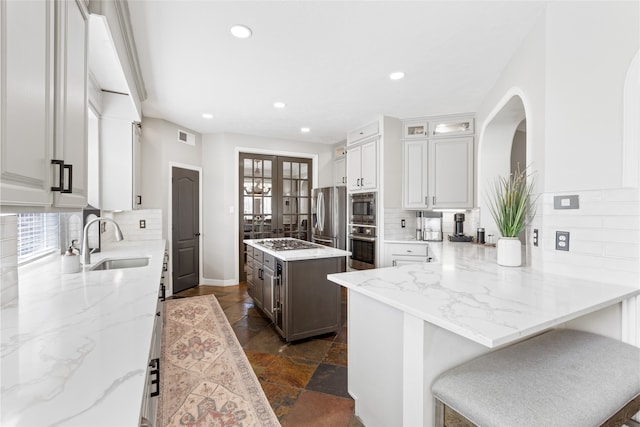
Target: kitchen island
x: 287, y: 279
x: 76, y: 347
x: 409, y: 324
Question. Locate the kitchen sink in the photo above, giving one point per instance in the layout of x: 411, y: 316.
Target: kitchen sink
x: 117, y: 263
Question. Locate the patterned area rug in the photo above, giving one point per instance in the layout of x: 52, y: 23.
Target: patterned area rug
x: 206, y: 379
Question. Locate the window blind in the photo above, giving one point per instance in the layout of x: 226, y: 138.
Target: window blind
x: 37, y: 235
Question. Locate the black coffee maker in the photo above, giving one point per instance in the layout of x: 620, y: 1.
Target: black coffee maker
x: 459, y: 233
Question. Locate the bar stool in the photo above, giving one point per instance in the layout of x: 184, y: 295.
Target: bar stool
x: 560, y: 378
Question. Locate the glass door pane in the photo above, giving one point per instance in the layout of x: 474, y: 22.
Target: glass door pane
x: 275, y: 196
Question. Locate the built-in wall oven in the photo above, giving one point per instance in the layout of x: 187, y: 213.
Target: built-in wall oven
x: 362, y: 231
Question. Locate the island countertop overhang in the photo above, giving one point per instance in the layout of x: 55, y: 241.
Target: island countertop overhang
x: 481, y: 301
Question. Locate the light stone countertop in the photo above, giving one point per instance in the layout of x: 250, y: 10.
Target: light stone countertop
x: 299, y: 254
x: 75, y: 347
x: 467, y: 293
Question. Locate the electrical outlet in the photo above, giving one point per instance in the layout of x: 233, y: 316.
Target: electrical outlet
x: 562, y: 240
x: 143, y: 223
x: 535, y: 237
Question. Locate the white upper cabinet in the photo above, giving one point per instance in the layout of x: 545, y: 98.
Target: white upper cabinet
x: 71, y: 102
x: 119, y: 154
x: 27, y: 111
x: 451, y: 173
x: 340, y: 171
x: 415, y: 129
x: 438, y: 171
x: 451, y: 126
x: 415, y: 179
x: 363, y: 133
x: 44, y: 116
x: 362, y: 166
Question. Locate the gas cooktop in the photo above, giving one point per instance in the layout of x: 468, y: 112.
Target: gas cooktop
x: 287, y: 244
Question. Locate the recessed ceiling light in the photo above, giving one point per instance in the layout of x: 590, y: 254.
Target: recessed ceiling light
x: 279, y: 104
x: 396, y: 75
x: 241, y: 31
x: 207, y: 115
x: 305, y: 130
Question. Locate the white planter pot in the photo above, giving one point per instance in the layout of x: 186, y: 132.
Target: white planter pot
x: 509, y: 251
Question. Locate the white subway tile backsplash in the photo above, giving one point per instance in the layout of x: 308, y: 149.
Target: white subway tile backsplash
x: 605, y: 236
x: 8, y: 259
x: 129, y: 222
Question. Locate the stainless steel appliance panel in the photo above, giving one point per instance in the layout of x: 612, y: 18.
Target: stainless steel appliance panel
x: 362, y: 208
x: 328, y: 213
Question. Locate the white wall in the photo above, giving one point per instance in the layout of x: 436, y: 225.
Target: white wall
x: 220, y: 188
x: 160, y: 148
x: 589, y: 48
x: 570, y: 73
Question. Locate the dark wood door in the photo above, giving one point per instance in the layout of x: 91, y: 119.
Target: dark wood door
x: 185, y: 228
x: 275, y: 199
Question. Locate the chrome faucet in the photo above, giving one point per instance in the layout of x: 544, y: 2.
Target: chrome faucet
x: 86, y: 253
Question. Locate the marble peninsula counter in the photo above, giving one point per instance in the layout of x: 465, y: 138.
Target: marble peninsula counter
x: 75, y: 347
x: 408, y: 324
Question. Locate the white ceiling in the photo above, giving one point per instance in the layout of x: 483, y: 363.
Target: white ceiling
x: 329, y: 61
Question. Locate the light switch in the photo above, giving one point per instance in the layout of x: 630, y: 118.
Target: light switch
x: 566, y: 202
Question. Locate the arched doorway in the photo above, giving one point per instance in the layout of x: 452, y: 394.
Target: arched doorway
x: 501, y: 149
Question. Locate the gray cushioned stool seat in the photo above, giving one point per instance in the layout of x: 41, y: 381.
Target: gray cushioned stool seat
x: 560, y: 378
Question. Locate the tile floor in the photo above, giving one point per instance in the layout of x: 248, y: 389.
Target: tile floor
x: 305, y: 381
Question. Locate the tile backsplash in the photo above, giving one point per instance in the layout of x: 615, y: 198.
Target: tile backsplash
x: 604, y: 236
x: 393, y: 218
x: 129, y: 222
x: 8, y: 259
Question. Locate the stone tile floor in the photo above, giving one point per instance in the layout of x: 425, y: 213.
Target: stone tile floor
x: 305, y: 381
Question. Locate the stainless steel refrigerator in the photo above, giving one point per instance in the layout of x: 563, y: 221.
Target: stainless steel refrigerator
x: 329, y: 216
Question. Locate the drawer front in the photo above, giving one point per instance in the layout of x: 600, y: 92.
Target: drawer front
x: 258, y: 255
x: 409, y: 249
x: 362, y: 133
x: 269, y: 261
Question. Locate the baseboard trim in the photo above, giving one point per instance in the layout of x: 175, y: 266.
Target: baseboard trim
x: 218, y: 282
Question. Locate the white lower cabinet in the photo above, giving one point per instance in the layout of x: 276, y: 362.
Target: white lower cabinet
x: 438, y: 173
x: 397, y: 254
x: 149, y: 410
x: 44, y: 113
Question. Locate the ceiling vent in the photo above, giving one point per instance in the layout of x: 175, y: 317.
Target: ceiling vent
x: 186, y: 137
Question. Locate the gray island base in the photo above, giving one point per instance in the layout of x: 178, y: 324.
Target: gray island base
x: 291, y: 288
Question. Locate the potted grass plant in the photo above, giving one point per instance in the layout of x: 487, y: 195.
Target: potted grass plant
x: 512, y: 206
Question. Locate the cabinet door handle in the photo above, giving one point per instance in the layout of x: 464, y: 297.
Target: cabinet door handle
x: 393, y: 263
x: 273, y: 294
x: 69, y: 188
x: 60, y: 164
x: 62, y: 167
x: 433, y: 200
x: 155, y: 364
x: 426, y: 200
x: 138, y: 200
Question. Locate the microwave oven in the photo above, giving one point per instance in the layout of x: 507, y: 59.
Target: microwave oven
x: 362, y: 209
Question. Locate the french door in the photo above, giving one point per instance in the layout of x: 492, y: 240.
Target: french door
x: 275, y: 199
